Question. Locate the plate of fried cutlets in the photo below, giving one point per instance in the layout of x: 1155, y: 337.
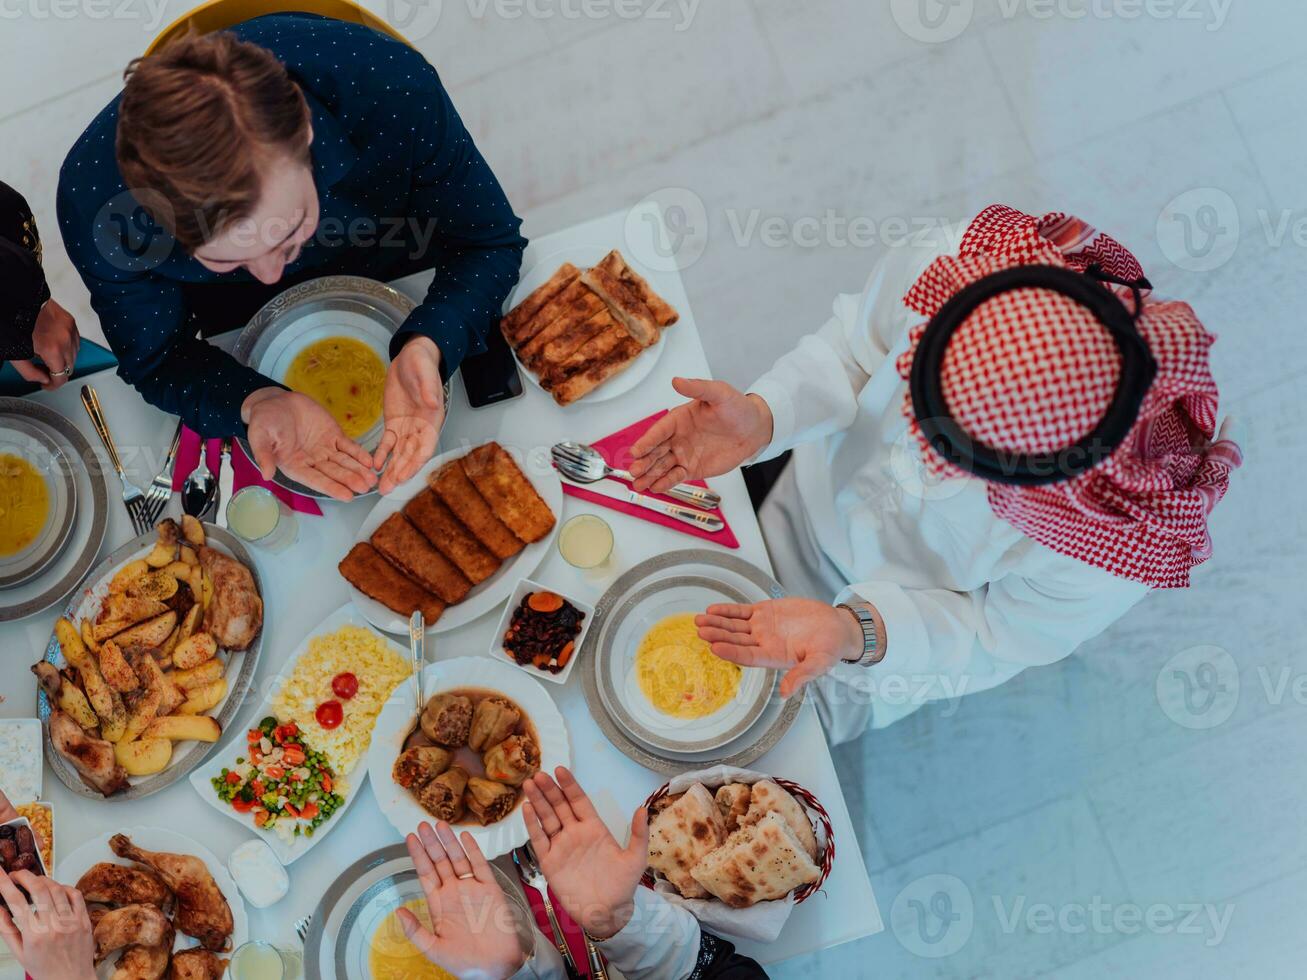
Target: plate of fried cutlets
x: 453, y: 541
x: 586, y: 332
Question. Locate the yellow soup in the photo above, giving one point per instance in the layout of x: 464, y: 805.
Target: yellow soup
x: 24, y: 504
x: 392, y: 957
x: 343, y: 375
x: 678, y: 672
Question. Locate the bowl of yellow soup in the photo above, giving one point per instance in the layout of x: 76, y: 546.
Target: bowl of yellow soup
x: 38, y: 500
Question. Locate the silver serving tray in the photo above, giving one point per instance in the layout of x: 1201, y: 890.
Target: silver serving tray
x: 240, y: 674
x: 64, y: 570
x: 759, y: 738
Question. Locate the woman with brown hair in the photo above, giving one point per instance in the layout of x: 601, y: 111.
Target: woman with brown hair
x: 237, y: 164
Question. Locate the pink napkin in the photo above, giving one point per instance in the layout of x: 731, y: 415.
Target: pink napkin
x: 244, y: 472
x: 572, y: 934
x: 616, y: 449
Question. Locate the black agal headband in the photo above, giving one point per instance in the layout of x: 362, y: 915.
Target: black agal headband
x: 1138, y: 369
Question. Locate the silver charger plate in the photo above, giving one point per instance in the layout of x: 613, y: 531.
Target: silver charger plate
x: 46, y: 455
x: 88, y: 519
x: 340, y: 932
x: 761, y: 736
x: 240, y: 671
x: 333, y: 306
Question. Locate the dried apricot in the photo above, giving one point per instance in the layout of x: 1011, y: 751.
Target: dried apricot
x: 545, y: 602
x: 565, y: 654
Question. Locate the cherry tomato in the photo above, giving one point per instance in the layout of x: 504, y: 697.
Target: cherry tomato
x: 233, y: 778
x: 329, y: 714
x: 344, y: 686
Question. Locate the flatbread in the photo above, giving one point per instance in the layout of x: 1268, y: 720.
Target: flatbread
x: 681, y: 835
x: 768, y: 797
x: 507, y: 490
x: 756, y: 864
x: 733, y: 802
x: 453, y: 487
x: 522, y: 322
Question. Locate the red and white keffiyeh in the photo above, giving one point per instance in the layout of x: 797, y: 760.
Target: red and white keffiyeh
x: 1033, y: 371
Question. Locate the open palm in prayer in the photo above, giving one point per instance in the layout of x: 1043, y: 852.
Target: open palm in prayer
x: 414, y: 409
x: 293, y: 433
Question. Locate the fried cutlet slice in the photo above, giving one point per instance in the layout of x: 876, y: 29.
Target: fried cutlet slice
x: 664, y: 313
x: 624, y: 303
x: 508, y: 491
x: 371, y: 574
x: 522, y: 321
x: 573, y: 307
x: 586, y: 380
x: 456, y: 490
x: 439, y: 526
x: 403, y: 545
x: 559, y: 350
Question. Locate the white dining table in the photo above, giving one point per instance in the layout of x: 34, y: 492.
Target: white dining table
x: 302, y: 587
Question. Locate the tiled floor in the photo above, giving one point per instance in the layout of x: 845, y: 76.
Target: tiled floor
x: 1066, y: 822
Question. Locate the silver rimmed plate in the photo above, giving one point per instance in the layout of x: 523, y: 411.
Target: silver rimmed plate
x: 634, y: 597
x: 26, y: 446
x: 240, y: 668
x: 333, y: 306
x: 359, y: 904
x: 77, y: 541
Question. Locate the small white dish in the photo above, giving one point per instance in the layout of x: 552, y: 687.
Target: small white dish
x: 20, y: 759
x: 497, y: 645
x: 258, y: 874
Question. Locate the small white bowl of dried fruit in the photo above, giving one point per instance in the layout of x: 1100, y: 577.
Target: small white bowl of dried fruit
x: 541, y: 631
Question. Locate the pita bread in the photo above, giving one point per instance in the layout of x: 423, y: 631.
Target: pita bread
x: 733, y: 802
x: 682, y: 834
x: 767, y: 797
x: 757, y: 864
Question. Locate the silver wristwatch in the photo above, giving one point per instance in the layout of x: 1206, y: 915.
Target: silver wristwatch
x: 873, y: 650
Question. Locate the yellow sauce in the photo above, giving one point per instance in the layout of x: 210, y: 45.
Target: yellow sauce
x: 392, y: 957
x: 24, y: 504
x: 343, y: 375
x: 678, y: 672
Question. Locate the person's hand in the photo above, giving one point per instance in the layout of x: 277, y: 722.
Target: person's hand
x: 474, y: 932
x: 593, y: 876
x: 804, y: 637
x: 414, y: 407
x: 55, y: 341
x: 48, y: 929
x: 293, y: 433
x: 713, y: 434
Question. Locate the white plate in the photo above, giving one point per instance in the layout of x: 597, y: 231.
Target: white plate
x: 20, y: 738
x: 583, y: 256
x: 498, y: 652
x: 494, y: 590
x: 80, y: 861
x: 27, y: 442
x: 226, y: 755
x: 400, y: 715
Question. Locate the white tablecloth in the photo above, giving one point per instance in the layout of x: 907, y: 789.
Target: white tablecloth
x: 303, y: 587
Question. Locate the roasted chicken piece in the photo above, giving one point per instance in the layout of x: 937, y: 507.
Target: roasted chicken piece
x: 202, y: 911
x: 196, y: 964
x: 418, y: 766
x: 116, y: 884
x: 145, y: 962
x: 235, y: 615
x: 93, y: 758
x: 131, y: 925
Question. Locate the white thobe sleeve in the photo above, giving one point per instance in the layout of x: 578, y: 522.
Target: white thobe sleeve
x: 661, y: 942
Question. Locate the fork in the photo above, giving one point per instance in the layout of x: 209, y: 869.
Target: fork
x: 529, y: 871
x: 159, y: 492
x: 133, y: 496
x: 589, y: 466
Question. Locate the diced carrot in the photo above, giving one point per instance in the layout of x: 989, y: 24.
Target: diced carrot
x: 545, y: 602
x: 326, y: 783
x: 233, y: 778
x: 308, y: 811
x: 260, y: 818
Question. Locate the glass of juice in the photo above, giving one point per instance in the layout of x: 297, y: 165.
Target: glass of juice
x: 586, y: 541
x: 260, y: 961
x: 256, y: 515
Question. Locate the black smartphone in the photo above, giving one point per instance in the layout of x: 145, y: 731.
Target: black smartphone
x: 491, y: 377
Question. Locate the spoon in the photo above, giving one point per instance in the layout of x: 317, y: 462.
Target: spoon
x: 417, y: 634
x: 199, y: 490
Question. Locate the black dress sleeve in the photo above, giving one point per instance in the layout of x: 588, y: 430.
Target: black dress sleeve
x: 718, y: 960
x: 23, y: 290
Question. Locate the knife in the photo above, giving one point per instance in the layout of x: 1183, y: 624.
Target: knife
x: 686, y: 515
x: 226, y: 480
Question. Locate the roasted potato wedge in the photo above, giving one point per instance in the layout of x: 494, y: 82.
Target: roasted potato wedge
x: 163, y: 654
x: 149, y: 635
x: 185, y: 728
x: 70, y: 643
x: 124, y: 575
x: 204, y: 698
x: 145, y: 756
x: 180, y: 570
x: 188, y: 555
x: 72, y: 700
x: 196, y: 584
x: 124, y: 608
x: 161, y: 555
x: 142, y: 714
x: 168, y: 531
x: 88, y: 636
x: 190, y: 623
x: 158, y: 585
x: 115, y: 669
x: 194, y: 651
x: 193, y: 531
x: 206, y: 673
x: 173, y: 696
x: 107, y: 702
x: 206, y: 595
